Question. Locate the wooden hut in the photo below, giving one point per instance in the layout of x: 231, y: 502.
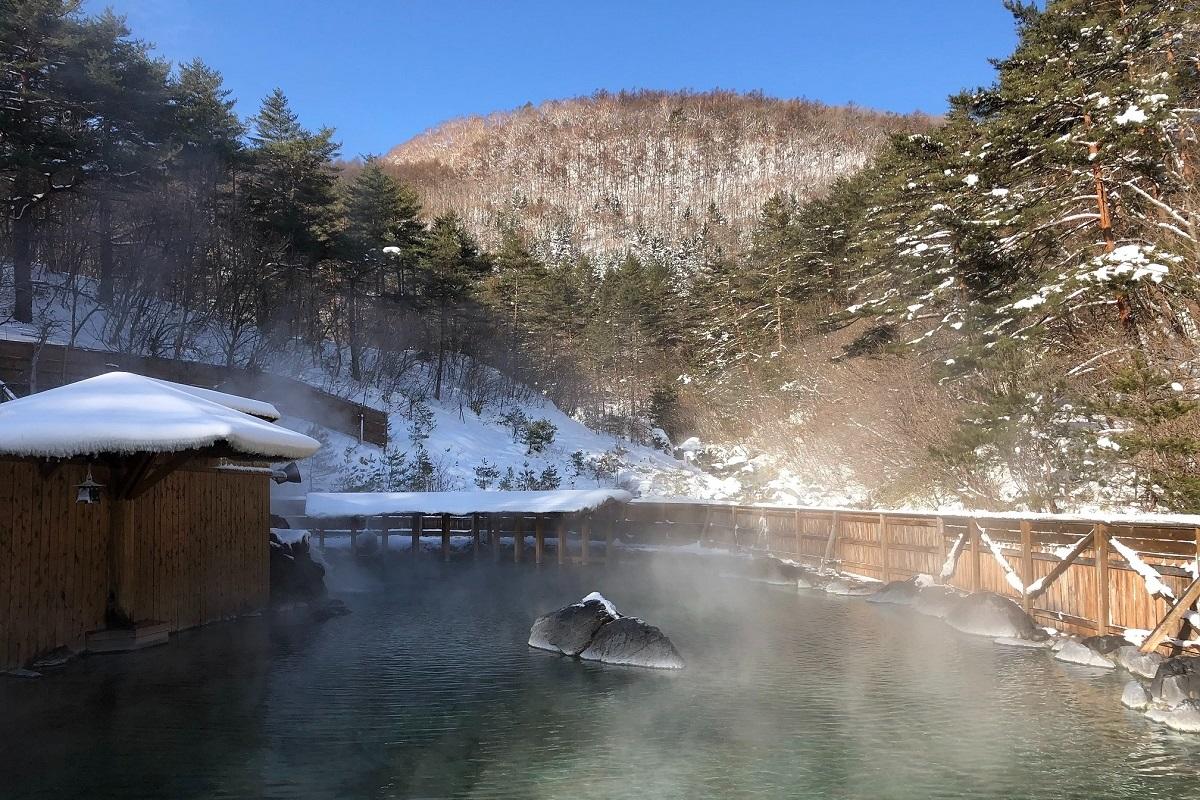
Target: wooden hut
x: 129, y: 508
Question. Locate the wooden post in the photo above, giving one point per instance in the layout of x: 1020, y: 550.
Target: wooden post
x: 383, y: 536
x: 585, y: 535
x: 609, y: 545
x: 518, y: 537
x: 416, y: 534
x: 562, y: 539
x: 733, y: 523
x: 321, y: 536
x: 973, y: 543
x: 1102, y: 607
x: 475, y: 534
x: 445, y: 537
x: 708, y: 513
x: 539, y: 538
x: 494, y: 536
x: 1026, y: 563
x: 883, y: 548
x: 354, y: 535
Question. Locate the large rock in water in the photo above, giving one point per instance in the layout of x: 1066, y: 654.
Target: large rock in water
x: 1134, y: 660
x: 937, y: 601
x: 1074, y: 652
x: 570, y: 630
x: 988, y: 614
x: 593, y: 630
x: 1184, y: 717
x: 631, y: 642
x: 295, y: 577
x: 898, y: 593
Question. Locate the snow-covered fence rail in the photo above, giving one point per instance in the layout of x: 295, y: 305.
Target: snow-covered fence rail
x: 26, y: 367
x: 1103, y: 574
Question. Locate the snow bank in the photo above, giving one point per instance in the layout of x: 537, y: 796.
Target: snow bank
x: 374, y: 504
x: 124, y: 413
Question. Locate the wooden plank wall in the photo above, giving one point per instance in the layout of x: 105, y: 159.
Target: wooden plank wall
x: 58, y: 365
x: 896, y: 545
x: 203, y: 554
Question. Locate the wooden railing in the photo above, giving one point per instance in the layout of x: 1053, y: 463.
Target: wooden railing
x: 28, y: 366
x: 1068, y: 572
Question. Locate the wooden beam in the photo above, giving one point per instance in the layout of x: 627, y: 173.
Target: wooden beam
x: 383, y: 536
x: 973, y: 543
x: 475, y: 534
x: 415, y: 532
x: 494, y: 536
x: 1061, y: 567
x: 1173, y: 617
x: 834, y: 532
x: 1026, y: 563
x: 1102, y: 600
x: 165, y: 467
x: 445, y: 537
x: 798, y: 526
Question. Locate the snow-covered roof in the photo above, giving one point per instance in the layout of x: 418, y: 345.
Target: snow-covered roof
x: 375, y: 504
x: 124, y: 413
x: 247, y: 405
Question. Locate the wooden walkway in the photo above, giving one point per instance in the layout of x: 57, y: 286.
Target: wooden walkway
x: 487, y: 531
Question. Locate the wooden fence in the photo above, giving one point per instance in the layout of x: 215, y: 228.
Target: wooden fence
x: 25, y: 366
x: 1072, y: 572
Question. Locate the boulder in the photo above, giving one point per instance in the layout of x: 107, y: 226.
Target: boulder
x: 295, y: 577
x: 773, y: 570
x: 848, y: 587
x: 1135, y: 696
x: 1174, y: 667
x: 897, y: 593
x: 937, y: 601
x: 327, y: 609
x: 570, y: 630
x: 1074, y: 652
x: 1184, y: 717
x: 988, y: 614
x: 1105, y: 645
x: 631, y: 642
x: 1144, y: 665
x: 1174, y: 689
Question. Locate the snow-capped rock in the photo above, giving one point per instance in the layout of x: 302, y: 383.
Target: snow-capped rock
x: 570, y: 630
x: 632, y: 642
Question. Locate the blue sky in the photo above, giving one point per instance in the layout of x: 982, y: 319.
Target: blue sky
x: 381, y: 71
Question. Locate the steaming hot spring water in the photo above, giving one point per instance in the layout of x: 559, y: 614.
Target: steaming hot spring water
x: 429, y: 689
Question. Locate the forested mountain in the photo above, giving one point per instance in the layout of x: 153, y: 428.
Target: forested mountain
x: 650, y: 171
x: 999, y: 310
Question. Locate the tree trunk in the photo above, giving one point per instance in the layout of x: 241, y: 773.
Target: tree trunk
x: 441, y: 359
x: 104, y: 246
x: 355, y: 356
x: 22, y: 255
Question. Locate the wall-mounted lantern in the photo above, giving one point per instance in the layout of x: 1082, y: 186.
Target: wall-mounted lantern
x: 89, y: 490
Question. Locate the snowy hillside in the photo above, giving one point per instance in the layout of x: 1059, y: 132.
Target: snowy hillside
x: 477, y: 434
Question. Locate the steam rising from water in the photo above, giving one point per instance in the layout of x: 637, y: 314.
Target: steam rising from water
x: 429, y: 690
